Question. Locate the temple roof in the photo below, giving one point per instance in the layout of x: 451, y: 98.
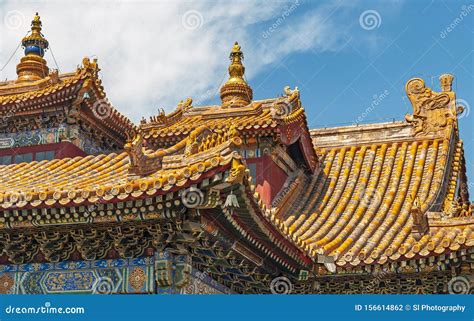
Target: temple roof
x: 283, y: 118
x: 359, y: 208
x: 39, y: 90
x: 386, y: 192
x: 258, y: 115
x: 85, y: 180
x: 37, y: 96
x: 362, y: 194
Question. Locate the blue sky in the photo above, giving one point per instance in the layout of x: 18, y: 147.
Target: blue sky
x: 155, y: 53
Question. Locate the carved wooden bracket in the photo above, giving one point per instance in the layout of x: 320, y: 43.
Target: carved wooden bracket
x: 172, y: 270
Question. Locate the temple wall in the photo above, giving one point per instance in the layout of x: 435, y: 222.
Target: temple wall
x: 119, y: 276
x: 270, y: 178
x: 45, y: 136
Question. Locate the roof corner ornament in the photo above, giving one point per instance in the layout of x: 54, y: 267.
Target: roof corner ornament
x: 54, y: 76
x: 420, y: 220
x: 185, y: 105
x: 142, y: 162
x: 433, y: 112
x: 456, y: 208
x: 237, y: 173
x: 291, y: 92
x: 90, y: 66
x: 236, y: 92
x: 446, y: 81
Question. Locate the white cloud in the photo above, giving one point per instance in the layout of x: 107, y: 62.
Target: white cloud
x: 149, y: 59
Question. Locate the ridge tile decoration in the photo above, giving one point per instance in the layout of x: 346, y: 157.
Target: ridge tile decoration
x: 228, y: 198
x: 433, y: 112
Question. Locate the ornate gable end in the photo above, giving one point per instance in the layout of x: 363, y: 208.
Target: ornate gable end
x: 433, y: 113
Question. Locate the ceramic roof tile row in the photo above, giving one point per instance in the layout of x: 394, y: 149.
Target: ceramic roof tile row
x: 86, y: 179
x: 209, y: 117
x: 358, y: 208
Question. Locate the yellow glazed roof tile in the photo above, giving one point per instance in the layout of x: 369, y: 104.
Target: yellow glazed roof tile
x: 358, y: 208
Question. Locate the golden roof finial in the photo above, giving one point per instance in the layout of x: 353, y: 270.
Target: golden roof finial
x: 36, y: 23
x: 236, y: 91
x: 36, y: 38
x: 236, y: 68
x: 32, y: 66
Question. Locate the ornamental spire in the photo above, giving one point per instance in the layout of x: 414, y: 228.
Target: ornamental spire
x: 236, y: 92
x: 32, y: 66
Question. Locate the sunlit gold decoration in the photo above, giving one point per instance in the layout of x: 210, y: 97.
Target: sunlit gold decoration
x: 236, y: 92
x: 185, y: 105
x: 420, y: 221
x: 291, y: 92
x: 32, y: 66
x: 129, y: 204
x: 432, y: 112
x: 137, y: 278
x: 237, y: 172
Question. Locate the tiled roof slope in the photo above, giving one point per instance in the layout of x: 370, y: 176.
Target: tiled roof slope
x: 358, y: 209
x: 36, y: 97
x: 374, y: 185
x: 181, y: 123
x: 282, y: 118
x: 259, y: 115
x: 85, y: 180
